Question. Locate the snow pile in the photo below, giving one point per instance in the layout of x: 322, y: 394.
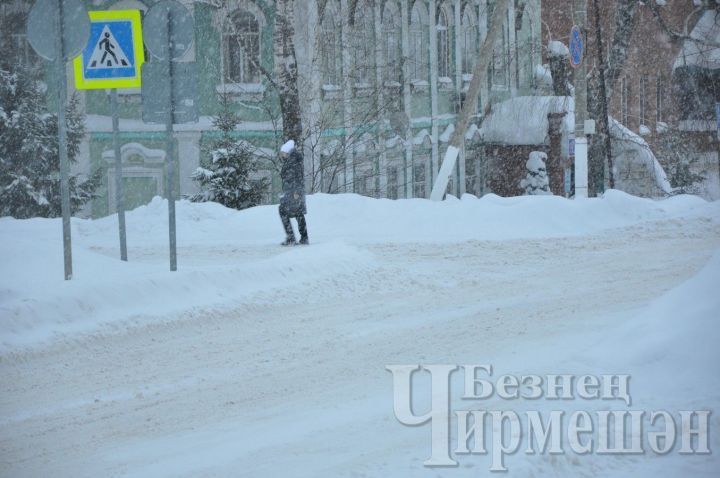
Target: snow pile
x: 231, y: 257
x: 637, y: 170
x: 655, y: 340
x: 558, y: 48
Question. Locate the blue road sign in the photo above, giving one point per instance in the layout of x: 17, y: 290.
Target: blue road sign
x: 576, y: 47
x: 114, y: 54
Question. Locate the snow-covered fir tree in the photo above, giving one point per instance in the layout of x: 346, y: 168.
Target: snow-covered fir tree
x: 227, y: 179
x: 536, y: 182
x: 29, y: 157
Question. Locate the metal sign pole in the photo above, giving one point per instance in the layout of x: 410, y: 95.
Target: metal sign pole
x: 170, y: 150
x: 62, y: 145
x: 119, y: 189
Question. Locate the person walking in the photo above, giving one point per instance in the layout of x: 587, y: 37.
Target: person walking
x: 292, y: 202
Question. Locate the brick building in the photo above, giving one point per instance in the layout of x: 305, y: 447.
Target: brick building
x: 669, y: 85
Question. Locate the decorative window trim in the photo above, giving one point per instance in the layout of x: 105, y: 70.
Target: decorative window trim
x: 222, y: 15
x: 419, y: 86
x: 242, y: 91
x: 445, y: 83
x: 361, y: 90
x: 331, y: 91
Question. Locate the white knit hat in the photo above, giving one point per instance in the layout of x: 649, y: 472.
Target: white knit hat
x: 287, y: 147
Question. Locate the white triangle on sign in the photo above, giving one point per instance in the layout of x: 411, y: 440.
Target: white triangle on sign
x: 107, y: 53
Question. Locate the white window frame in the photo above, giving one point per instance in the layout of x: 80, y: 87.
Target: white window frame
x: 419, y: 67
x: 363, y: 44
x: 443, y: 43
x: 643, y: 99
x: 330, y: 47
x: 229, y: 34
x: 468, y: 40
x: 392, y: 44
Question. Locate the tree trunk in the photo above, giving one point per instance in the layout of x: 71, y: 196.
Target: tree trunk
x: 286, y: 72
x: 601, y: 148
x: 601, y: 87
x: 625, y: 21
x: 560, y: 74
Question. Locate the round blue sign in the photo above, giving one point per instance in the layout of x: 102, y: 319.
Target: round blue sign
x: 576, y: 47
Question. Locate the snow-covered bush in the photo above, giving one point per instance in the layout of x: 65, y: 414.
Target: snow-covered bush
x: 536, y: 182
x: 227, y: 179
x: 29, y: 152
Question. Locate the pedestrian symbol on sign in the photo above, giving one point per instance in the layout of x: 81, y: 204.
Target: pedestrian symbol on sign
x: 107, y: 52
x: 113, y: 56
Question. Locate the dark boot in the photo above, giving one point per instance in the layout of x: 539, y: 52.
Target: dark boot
x: 302, y: 227
x: 289, y: 241
x: 289, y: 234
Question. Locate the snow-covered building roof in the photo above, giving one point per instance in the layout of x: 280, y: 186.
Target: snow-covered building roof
x: 703, y: 47
x: 633, y: 158
x: 524, y: 120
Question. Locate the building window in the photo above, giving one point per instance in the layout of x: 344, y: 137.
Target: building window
x: 643, y: 99
x: 660, y: 99
x: 330, y: 48
x: 364, y: 183
x: 242, y: 48
x: 418, y: 43
x: 363, y: 43
x: 392, y: 182
x: 468, y: 40
x: 499, y: 63
x: 471, y: 185
x: 392, y: 43
x: 625, y: 101
x: 419, y: 180
x: 443, y: 44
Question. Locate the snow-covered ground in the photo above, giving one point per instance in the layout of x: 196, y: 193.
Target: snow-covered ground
x: 256, y: 360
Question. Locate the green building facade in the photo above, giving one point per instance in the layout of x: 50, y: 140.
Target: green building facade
x: 379, y: 90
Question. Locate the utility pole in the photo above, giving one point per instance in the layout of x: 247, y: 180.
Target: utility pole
x: 581, y: 142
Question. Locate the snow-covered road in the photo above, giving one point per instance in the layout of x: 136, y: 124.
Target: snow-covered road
x: 291, y: 380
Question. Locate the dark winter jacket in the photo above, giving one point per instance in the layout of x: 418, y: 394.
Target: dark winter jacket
x: 293, y: 184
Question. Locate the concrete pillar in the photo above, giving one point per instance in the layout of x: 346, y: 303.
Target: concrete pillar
x: 407, y: 99
x: 434, y: 132
x: 188, y: 161
x: 347, y: 90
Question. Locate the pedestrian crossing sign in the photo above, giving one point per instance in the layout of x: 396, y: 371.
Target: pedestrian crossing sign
x: 114, y: 54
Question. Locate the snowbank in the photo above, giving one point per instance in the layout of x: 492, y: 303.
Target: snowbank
x: 226, y: 257
x: 677, y: 336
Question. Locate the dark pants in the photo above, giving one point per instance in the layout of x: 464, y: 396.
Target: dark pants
x: 302, y: 225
